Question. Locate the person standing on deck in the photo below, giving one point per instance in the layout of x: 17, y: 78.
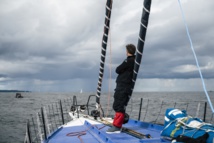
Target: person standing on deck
x: 123, y: 88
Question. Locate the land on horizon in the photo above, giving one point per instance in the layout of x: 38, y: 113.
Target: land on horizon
x: 14, y: 90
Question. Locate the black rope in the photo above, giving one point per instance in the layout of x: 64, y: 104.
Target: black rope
x: 147, y: 108
x: 58, y: 115
x: 104, y: 45
x: 34, y: 129
x: 159, y: 112
x: 54, y: 117
x: 50, y: 119
x: 175, y: 104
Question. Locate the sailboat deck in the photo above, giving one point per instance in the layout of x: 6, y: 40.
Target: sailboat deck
x: 87, y: 131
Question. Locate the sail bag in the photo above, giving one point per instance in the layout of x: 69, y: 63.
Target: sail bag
x: 178, y: 125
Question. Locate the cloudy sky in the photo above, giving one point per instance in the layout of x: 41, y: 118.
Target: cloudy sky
x: 55, y: 45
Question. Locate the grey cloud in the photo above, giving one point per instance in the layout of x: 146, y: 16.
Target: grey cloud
x: 61, y: 40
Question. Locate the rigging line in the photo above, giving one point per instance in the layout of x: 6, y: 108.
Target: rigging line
x: 202, y: 79
x: 110, y: 74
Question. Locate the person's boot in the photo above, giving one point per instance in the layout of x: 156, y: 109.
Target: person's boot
x: 113, y: 129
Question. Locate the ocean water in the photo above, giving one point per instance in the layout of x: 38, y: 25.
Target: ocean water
x: 14, y: 112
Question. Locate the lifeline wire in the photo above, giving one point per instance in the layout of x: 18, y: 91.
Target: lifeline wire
x: 202, y: 79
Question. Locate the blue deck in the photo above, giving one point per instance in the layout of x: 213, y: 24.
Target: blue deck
x: 89, y: 133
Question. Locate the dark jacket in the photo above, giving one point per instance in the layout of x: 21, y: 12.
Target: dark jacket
x: 124, y: 83
x: 125, y: 71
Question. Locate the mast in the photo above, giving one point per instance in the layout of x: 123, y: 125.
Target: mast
x: 141, y: 39
x: 103, y: 51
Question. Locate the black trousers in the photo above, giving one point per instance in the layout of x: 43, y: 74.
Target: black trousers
x: 121, y: 97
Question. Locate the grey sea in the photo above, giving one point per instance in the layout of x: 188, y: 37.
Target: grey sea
x: 14, y: 112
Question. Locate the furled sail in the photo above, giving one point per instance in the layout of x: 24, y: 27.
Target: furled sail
x: 141, y: 39
x: 103, y: 51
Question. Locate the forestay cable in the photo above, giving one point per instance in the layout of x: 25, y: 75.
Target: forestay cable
x: 202, y: 79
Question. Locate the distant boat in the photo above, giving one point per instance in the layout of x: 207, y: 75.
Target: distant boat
x: 19, y: 95
x: 81, y: 91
